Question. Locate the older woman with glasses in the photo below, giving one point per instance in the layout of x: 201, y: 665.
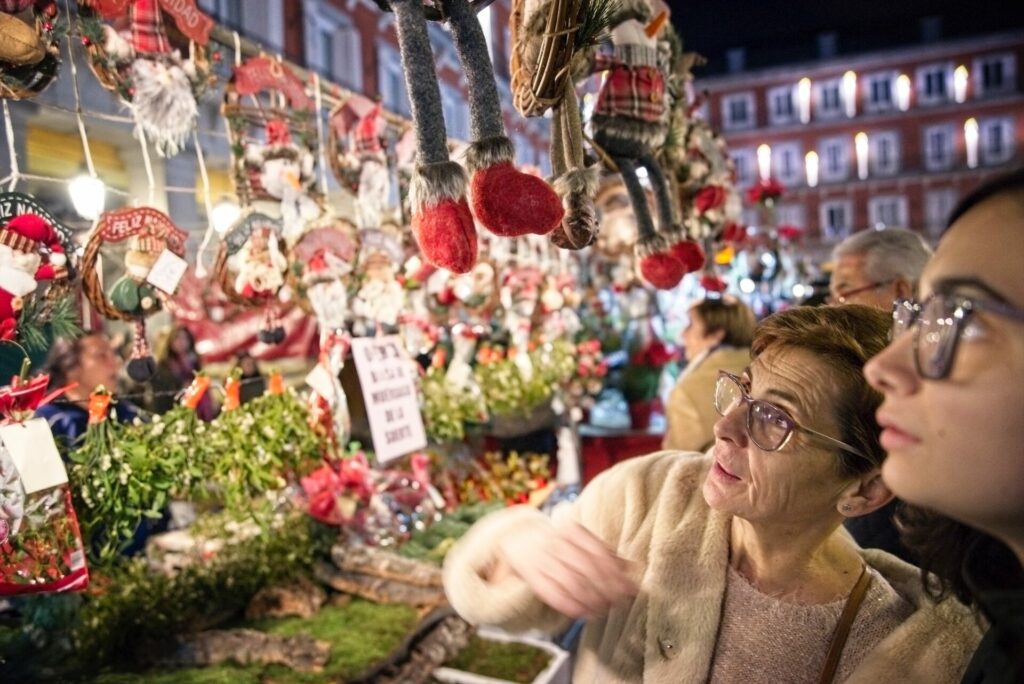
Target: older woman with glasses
x: 732, y: 566
x: 953, y: 418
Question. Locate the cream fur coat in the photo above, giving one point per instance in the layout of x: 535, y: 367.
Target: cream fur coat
x: 651, y: 511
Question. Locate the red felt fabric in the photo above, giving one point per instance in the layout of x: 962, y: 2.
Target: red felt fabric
x: 510, y: 203
x: 662, y: 270
x: 447, y: 235
x: 690, y: 254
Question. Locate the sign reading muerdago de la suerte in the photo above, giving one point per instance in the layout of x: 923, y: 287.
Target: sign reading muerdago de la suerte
x: 388, y: 378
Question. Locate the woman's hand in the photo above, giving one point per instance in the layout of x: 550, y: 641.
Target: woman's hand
x: 568, y: 568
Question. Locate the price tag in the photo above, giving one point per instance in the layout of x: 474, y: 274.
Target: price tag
x: 388, y: 378
x: 167, y: 272
x: 34, y: 454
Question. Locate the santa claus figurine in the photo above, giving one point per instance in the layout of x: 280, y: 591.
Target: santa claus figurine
x: 24, y: 241
x: 261, y: 267
x: 285, y: 171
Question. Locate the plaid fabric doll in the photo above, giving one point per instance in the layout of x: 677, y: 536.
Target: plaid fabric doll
x: 630, y: 122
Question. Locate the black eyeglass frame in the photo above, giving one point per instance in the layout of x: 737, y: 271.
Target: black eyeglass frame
x: 792, y: 425
x: 963, y: 308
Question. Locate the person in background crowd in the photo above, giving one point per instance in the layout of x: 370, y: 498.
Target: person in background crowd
x: 716, y: 338
x: 732, y: 566
x: 176, y: 365
x: 875, y: 267
x: 253, y: 382
x: 90, y: 362
x: 953, y: 418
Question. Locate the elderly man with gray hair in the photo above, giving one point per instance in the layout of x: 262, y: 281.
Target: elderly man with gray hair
x: 875, y: 267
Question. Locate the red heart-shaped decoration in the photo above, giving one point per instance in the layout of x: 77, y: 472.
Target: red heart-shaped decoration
x: 510, y: 203
x: 447, y: 235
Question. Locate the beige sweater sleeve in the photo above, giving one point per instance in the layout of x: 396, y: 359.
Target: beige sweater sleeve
x: 510, y: 603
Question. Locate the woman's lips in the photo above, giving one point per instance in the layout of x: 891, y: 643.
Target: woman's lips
x: 722, y: 473
x: 893, y: 437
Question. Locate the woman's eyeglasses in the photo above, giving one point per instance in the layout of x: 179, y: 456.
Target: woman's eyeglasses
x: 844, y: 297
x: 939, y: 323
x: 768, y: 426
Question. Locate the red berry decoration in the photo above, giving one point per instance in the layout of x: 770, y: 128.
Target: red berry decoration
x: 216, y: 56
x: 86, y: 42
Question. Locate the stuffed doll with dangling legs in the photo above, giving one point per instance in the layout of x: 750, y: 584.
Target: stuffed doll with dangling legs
x: 505, y: 201
x: 630, y: 122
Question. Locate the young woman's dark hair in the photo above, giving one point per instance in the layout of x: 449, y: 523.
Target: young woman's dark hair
x: 1010, y: 182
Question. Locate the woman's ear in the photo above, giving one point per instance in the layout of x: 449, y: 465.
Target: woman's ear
x: 716, y: 337
x: 865, y: 495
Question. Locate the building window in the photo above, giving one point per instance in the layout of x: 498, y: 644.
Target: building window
x: 996, y: 140
x: 455, y: 114
x: 834, y: 158
x: 884, y: 153
x: 830, y: 104
x: 391, y: 79
x: 787, y: 160
x: 744, y: 161
x: 887, y: 211
x: 836, y: 219
x: 878, y: 94
x: 933, y: 83
x: 938, y: 147
x: 336, y: 48
x: 780, y: 105
x: 790, y: 215
x: 938, y: 205
x: 738, y: 111
x: 995, y: 74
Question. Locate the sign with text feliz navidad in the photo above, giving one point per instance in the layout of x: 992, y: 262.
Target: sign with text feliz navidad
x: 388, y: 379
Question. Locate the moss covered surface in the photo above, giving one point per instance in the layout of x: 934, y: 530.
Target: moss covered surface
x: 360, y: 633
x: 511, y: 661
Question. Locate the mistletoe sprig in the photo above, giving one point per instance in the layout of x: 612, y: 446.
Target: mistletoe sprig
x: 124, y: 473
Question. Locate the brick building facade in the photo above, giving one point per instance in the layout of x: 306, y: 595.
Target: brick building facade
x: 889, y: 138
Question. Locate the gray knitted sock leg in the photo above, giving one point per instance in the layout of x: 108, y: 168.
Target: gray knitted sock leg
x: 662, y: 200
x: 484, y: 105
x: 637, y: 197
x: 424, y: 93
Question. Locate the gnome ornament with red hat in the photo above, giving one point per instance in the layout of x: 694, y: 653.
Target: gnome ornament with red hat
x: 374, y: 182
x: 630, y: 122
x: 24, y: 241
x: 505, y: 201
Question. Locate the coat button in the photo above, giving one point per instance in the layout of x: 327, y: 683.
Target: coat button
x: 668, y: 647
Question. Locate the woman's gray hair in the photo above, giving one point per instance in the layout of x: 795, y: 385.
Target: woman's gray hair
x: 888, y: 253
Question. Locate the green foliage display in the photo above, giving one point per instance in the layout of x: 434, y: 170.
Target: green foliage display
x: 508, y: 661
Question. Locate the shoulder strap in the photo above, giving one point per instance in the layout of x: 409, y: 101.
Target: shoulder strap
x: 850, y: 610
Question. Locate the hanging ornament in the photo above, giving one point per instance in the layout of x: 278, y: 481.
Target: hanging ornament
x: 251, y: 268
x: 273, y: 135
x: 381, y: 297
x: 357, y: 140
x: 34, y: 249
x: 153, y: 265
x: 30, y: 34
x: 321, y: 263
x: 160, y: 78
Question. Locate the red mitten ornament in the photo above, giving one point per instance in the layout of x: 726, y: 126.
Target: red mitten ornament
x: 441, y: 219
x: 507, y: 201
x: 658, y: 266
x: 689, y: 253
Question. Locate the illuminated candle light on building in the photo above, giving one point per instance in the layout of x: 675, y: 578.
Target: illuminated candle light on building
x: 971, y: 140
x: 850, y: 93
x: 811, y: 162
x: 960, y: 83
x: 764, y: 161
x: 860, y: 142
x: 903, y: 92
x: 803, y: 99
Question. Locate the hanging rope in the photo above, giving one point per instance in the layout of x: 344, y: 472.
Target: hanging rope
x: 86, y: 150
x: 12, y: 151
x: 201, y: 271
x: 144, y: 144
x: 321, y: 153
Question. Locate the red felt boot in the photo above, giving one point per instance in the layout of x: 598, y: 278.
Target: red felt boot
x: 441, y: 219
x: 689, y: 253
x: 506, y: 201
x: 657, y: 264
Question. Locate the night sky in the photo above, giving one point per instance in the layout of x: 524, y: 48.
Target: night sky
x: 776, y: 32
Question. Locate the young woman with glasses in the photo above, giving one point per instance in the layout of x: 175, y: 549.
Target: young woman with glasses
x: 953, y: 417
x: 732, y: 566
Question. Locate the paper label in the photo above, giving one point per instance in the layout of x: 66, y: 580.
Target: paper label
x: 34, y: 453
x: 322, y: 383
x: 167, y: 271
x: 388, y: 378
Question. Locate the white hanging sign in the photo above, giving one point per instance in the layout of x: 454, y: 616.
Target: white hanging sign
x: 388, y: 379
